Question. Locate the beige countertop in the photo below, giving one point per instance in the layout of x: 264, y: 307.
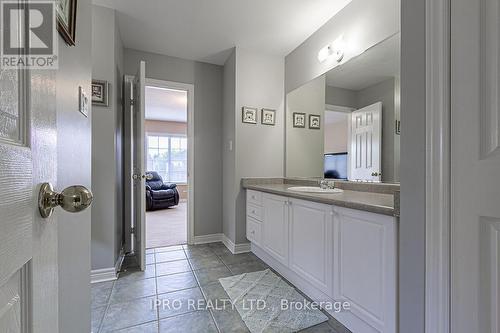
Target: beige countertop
x: 368, y: 201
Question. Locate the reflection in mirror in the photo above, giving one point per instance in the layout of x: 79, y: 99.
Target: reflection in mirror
x: 359, y: 111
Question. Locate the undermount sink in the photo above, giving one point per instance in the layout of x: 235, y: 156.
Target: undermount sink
x: 314, y: 189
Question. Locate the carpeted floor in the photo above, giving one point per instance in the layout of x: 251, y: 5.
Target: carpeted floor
x: 167, y: 227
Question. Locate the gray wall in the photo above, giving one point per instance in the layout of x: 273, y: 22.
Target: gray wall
x: 228, y: 155
x: 412, y: 220
x: 259, y: 148
x: 74, y: 167
x: 374, y: 21
x: 254, y: 80
x: 107, y: 156
x: 341, y: 97
x: 119, y: 139
x: 207, y: 80
x: 304, y: 146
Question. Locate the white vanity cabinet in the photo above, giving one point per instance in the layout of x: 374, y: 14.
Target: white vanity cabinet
x: 332, y: 254
x: 310, y: 236
x: 275, y: 226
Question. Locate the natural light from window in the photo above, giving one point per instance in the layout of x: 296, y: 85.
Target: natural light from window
x: 167, y: 155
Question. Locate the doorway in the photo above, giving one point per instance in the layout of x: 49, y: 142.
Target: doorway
x: 168, y: 159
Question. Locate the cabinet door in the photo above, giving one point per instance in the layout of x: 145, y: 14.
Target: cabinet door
x: 311, y: 243
x: 275, y: 227
x: 365, y: 266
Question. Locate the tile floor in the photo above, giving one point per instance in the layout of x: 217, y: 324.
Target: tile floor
x: 174, y: 275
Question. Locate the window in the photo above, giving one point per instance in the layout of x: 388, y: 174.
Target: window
x: 167, y: 155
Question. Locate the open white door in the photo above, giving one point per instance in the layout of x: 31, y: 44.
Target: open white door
x: 138, y: 163
x: 29, y: 286
x: 365, y: 145
x: 475, y: 166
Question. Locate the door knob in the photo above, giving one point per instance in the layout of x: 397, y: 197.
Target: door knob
x: 72, y: 199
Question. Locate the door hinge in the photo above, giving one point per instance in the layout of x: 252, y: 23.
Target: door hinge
x: 132, y: 230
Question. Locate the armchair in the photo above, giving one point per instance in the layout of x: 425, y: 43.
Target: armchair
x: 160, y: 195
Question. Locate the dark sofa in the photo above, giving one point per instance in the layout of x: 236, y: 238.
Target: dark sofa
x: 160, y: 195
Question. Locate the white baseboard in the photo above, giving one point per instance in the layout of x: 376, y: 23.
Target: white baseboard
x: 103, y: 275
x: 107, y: 274
x: 213, y: 238
x: 235, y: 248
x: 119, y: 261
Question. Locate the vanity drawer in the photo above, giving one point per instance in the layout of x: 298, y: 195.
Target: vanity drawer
x: 253, y: 230
x: 255, y: 212
x: 254, y: 197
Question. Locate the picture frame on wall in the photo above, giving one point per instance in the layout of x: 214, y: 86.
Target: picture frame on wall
x: 299, y: 120
x: 66, y: 20
x: 249, y: 115
x: 100, y: 90
x: 268, y: 117
x: 314, y: 121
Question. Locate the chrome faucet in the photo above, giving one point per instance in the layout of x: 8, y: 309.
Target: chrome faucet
x: 326, y: 184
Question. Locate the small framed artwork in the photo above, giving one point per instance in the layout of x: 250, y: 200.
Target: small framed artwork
x: 299, y: 120
x: 249, y: 115
x: 100, y: 93
x: 314, y: 121
x: 268, y: 117
x: 66, y: 20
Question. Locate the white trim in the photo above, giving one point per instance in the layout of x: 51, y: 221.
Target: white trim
x: 438, y: 167
x: 103, y: 275
x: 119, y: 261
x: 338, y: 108
x: 214, y: 238
x: 107, y: 274
x: 205, y: 239
x: 190, y: 136
x: 236, y: 248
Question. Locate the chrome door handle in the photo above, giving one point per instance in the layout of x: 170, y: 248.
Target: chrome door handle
x: 72, y: 199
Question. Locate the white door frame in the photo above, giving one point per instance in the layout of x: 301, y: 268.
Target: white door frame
x: 438, y: 167
x: 190, y: 137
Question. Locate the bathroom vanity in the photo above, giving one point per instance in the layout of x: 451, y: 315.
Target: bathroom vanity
x: 338, y: 247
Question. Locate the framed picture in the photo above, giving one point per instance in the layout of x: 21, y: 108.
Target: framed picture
x: 314, y: 121
x: 100, y: 93
x: 299, y: 120
x: 268, y: 117
x: 249, y: 115
x: 66, y: 20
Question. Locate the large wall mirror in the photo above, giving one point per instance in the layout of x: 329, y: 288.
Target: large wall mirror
x: 345, y: 124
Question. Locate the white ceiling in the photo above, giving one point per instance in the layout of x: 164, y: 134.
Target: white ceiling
x: 166, y: 104
x: 206, y: 30
x: 375, y: 65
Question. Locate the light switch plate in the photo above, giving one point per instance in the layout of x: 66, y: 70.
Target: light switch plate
x: 83, y: 102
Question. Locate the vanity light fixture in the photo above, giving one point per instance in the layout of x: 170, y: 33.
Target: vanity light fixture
x: 334, y: 50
